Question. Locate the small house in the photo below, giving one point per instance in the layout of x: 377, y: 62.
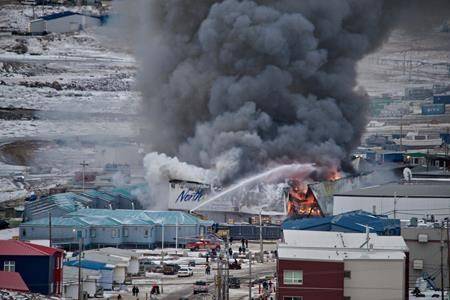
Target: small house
x: 63, y: 22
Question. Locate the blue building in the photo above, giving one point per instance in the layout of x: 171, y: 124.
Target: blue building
x: 117, y: 228
x: 441, y: 99
x: 58, y: 205
x: 39, y: 266
x: 355, y: 221
x: 61, y: 204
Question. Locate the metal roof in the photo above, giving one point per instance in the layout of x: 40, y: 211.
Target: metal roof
x: 59, y: 15
x: 89, y: 264
x: 339, y: 240
x: 120, y: 252
x: 172, y: 217
x: 106, y: 258
x: 127, y: 216
x: 19, y: 248
x: 64, y: 14
x: 99, y: 195
x: 354, y: 221
x: 115, y: 217
x: 58, y: 221
x: 411, y: 190
x: 337, y: 256
x: 12, y: 281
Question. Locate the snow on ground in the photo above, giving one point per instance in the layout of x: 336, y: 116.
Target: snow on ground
x: 406, y: 60
x: 17, y: 17
x: 7, y: 234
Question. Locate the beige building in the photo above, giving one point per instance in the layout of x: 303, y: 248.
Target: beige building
x: 424, y: 243
x: 380, y: 275
x: 358, y: 265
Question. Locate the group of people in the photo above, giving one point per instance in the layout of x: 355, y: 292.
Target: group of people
x: 135, y: 291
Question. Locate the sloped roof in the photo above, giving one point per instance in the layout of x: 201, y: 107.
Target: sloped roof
x: 89, y: 264
x: 58, y: 221
x: 99, y: 195
x: 124, y: 216
x: 128, y: 215
x: 19, y: 248
x: 354, y: 220
x: 172, y: 217
x: 12, y: 281
x: 63, y: 14
x: 306, y: 223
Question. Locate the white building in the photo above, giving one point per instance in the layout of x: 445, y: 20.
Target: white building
x: 90, y: 278
x: 401, y: 201
x: 369, y: 266
x: 119, y: 264
x: 131, y: 256
x: 63, y: 22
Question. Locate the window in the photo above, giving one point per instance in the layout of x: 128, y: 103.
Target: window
x: 24, y: 232
x: 125, y: 232
x: 93, y: 232
x: 9, y: 266
x: 422, y: 238
x: 114, y: 233
x: 146, y: 233
x: 293, y: 298
x: 347, y: 274
x: 418, y: 264
x: 293, y: 277
x: 57, y: 262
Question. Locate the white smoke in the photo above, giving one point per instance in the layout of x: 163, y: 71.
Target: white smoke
x: 160, y: 169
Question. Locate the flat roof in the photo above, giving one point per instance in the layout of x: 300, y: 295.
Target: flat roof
x: 339, y: 240
x: 289, y: 253
x: 411, y: 190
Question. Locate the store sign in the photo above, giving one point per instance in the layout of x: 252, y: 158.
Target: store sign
x: 190, y: 196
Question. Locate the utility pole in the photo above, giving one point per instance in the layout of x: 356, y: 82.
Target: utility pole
x: 448, y: 257
x: 162, y: 237
x: 84, y: 165
x: 50, y: 229
x: 261, y: 250
x: 447, y: 137
x: 401, y: 132
x: 442, y: 261
x: 219, y: 280
x: 395, y: 205
x: 80, y: 251
x: 249, y: 275
x: 176, y: 235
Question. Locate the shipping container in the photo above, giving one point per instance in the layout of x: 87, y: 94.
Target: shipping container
x: 433, y: 109
x: 441, y: 99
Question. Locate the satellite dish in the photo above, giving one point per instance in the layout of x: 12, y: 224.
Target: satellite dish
x: 407, y: 174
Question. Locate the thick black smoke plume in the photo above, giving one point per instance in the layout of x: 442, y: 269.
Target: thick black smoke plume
x: 235, y: 86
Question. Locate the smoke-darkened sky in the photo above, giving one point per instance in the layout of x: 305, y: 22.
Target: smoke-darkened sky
x: 235, y: 86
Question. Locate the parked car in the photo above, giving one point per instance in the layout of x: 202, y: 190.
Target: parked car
x: 150, y: 266
x: 170, y: 269
x: 203, y: 244
x: 185, y: 272
x: 200, y: 287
